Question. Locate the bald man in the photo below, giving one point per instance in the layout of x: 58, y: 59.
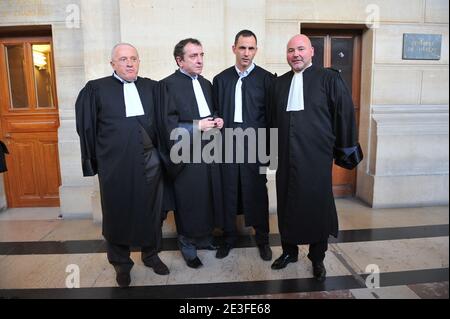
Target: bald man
x: 118, y: 121
x: 313, y: 111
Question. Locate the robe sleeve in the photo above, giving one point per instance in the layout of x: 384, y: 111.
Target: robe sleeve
x: 216, y: 98
x: 166, y: 121
x: 271, y: 120
x: 269, y: 81
x: 347, y: 151
x: 86, y: 123
x: 189, y: 126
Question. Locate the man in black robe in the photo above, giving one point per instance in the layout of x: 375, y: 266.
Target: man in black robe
x: 118, y: 118
x: 240, y: 93
x: 314, y: 113
x: 3, y: 152
x: 197, y: 186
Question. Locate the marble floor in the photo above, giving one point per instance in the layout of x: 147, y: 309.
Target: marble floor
x: 379, y: 254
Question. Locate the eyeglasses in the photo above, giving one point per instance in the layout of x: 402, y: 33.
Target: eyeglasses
x: 124, y: 60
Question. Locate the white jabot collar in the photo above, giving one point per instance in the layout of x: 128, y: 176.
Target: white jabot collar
x: 133, y: 104
x: 238, y: 92
x: 296, y: 100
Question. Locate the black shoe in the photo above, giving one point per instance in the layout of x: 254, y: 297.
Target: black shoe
x: 194, y: 263
x: 223, y: 251
x: 158, y: 266
x: 265, y: 252
x: 283, y: 261
x: 123, y: 279
x: 319, y: 271
x: 210, y: 247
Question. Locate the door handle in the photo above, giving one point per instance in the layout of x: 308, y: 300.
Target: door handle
x: 8, y: 135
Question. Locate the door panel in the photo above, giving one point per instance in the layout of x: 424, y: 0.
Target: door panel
x: 24, y: 164
x: 340, y: 50
x: 50, y: 181
x: 342, y: 58
x: 29, y: 121
x: 33, y: 159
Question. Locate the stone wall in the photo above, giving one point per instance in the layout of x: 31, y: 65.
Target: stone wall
x: 404, y: 103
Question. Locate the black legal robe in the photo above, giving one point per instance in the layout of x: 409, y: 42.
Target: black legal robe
x: 196, y: 186
x: 125, y: 159
x: 3, y: 152
x: 244, y: 178
x: 308, y: 141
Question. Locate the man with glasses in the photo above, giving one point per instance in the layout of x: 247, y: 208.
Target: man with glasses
x: 120, y: 137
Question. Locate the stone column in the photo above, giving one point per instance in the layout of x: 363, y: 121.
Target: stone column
x: 404, y: 117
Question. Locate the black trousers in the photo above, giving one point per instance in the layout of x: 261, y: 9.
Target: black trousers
x: 230, y: 229
x: 316, y: 250
x: 119, y: 256
x: 261, y: 235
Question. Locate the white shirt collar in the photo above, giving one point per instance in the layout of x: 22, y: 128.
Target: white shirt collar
x: 185, y: 73
x: 309, y: 65
x: 122, y: 80
x: 243, y: 74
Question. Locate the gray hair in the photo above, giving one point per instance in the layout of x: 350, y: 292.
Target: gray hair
x: 120, y: 44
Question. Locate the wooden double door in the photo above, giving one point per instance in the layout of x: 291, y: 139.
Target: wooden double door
x: 29, y: 121
x: 341, y: 50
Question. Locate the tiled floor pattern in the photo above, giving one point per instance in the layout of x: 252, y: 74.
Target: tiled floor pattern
x: 409, y: 247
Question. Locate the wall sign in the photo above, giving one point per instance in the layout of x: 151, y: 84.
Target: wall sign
x: 422, y: 46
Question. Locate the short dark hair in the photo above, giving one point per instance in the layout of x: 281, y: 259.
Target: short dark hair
x: 245, y: 33
x: 178, y: 52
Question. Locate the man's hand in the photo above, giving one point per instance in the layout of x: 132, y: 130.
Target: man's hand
x: 206, y: 124
x: 219, y: 122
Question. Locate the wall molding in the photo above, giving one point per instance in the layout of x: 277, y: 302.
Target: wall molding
x: 411, y: 119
